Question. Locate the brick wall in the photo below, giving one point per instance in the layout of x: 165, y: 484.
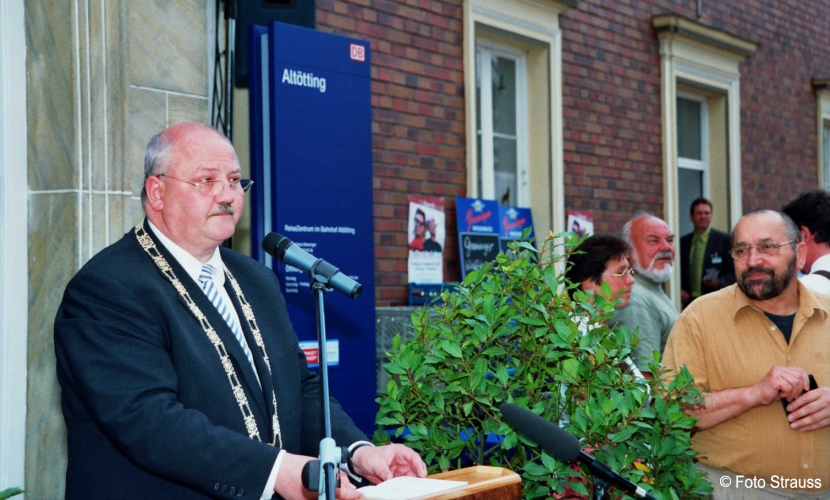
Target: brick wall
x: 778, y: 112
x: 611, y: 111
x: 418, y: 119
x: 611, y: 92
x: 611, y: 107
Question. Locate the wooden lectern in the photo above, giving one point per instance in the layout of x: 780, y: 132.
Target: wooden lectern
x: 483, y: 483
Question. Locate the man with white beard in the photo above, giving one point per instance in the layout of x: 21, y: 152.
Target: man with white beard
x: 649, y: 309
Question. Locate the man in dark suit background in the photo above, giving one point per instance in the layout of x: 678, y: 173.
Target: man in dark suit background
x: 185, y: 381
x: 705, y: 260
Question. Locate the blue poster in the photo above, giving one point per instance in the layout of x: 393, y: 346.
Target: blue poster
x: 316, y: 177
x: 478, y: 232
x: 512, y: 222
x: 485, y: 228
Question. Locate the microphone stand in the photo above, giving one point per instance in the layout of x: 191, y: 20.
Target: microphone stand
x: 603, y: 475
x: 600, y: 479
x: 330, y: 455
x: 600, y: 489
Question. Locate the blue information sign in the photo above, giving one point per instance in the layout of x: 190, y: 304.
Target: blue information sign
x: 316, y: 175
x: 485, y: 228
x: 513, y: 221
x: 478, y: 232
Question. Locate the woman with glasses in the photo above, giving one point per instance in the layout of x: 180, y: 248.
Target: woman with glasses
x: 602, y: 258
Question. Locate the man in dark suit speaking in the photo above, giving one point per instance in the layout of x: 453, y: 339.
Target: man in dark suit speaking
x: 705, y: 262
x: 181, y: 376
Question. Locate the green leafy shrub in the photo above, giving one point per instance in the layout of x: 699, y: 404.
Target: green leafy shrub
x: 508, y: 334
x: 10, y: 492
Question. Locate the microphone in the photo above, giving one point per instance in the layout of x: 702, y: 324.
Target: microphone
x: 286, y: 251
x: 563, y: 446
x: 310, y: 475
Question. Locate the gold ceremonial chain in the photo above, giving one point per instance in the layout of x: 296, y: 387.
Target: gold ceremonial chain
x: 249, y: 315
x: 147, y: 244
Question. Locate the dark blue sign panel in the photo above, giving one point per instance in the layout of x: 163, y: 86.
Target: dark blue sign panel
x: 485, y: 228
x: 478, y: 232
x: 513, y: 221
x: 318, y: 193
x: 475, y: 215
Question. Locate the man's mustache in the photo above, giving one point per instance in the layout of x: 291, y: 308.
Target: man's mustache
x: 751, y: 270
x: 224, y: 208
x: 661, y: 254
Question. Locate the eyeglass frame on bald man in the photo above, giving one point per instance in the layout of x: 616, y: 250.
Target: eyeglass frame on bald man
x: 244, y: 184
x: 766, y: 247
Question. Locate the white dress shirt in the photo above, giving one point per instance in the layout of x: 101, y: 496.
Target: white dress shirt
x: 817, y: 282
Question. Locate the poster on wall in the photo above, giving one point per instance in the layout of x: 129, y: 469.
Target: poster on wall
x: 580, y: 222
x: 478, y: 232
x: 512, y: 223
x: 426, y: 238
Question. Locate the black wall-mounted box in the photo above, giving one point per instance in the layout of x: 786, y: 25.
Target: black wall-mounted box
x: 262, y: 13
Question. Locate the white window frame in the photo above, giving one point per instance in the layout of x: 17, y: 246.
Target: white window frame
x: 534, y: 25
x: 824, y: 151
x: 701, y: 165
x: 823, y: 102
x: 14, y: 273
x: 485, y: 49
x: 694, y: 54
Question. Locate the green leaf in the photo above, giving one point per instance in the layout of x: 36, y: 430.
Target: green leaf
x: 387, y: 421
x: 535, y: 469
x: 438, y: 400
x: 479, y: 372
x: 571, y: 368
x: 502, y: 374
x: 624, y: 435
x: 530, y: 321
x: 451, y: 348
x: 10, y: 492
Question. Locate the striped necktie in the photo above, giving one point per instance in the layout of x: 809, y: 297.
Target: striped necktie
x: 206, y: 279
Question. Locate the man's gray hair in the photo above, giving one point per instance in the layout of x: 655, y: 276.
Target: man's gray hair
x: 791, y: 229
x: 160, y: 149
x: 626, y: 231
x: 156, y: 159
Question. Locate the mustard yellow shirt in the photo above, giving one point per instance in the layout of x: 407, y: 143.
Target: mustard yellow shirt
x: 727, y: 343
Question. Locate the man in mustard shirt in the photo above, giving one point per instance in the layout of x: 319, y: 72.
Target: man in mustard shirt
x: 751, y: 348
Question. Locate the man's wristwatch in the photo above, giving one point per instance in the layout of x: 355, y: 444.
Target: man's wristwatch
x: 352, y: 449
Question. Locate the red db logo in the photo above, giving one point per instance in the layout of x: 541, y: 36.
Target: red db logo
x: 312, y: 355
x: 357, y: 52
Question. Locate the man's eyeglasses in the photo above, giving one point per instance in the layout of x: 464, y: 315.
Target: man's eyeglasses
x: 630, y: 271
x: 212, y: 187
x: 765, y: 247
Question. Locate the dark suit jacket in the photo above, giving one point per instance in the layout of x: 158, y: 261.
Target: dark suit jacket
x: 716, y: 256
x: 148, y: 407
